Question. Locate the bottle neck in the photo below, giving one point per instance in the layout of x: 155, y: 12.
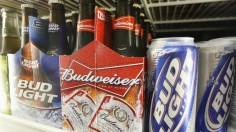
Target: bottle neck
x: 86, y: 11
x: 10, y: 24
x: 57, y: 13
x: 142, y: 21
x: 123, y: 8
x: 137, y: 16
x: 26, y: 12
x: 74, y: 19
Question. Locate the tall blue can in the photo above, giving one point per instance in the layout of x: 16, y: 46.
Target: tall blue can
x: 173, y: 84
x: 215, y: 85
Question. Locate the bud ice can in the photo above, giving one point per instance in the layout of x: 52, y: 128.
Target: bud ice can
x: 215, y: 84
x: 174, y: 69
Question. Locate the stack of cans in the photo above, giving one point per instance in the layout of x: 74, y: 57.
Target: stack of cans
x: 175, y: 102
x: 215, y: 84
x: 232, y: 115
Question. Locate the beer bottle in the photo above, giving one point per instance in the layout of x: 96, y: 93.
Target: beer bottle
x: 123, y: 27
x: 147, y: 23
x: 142, y: 17
x: 85, y: 27
x: 27, y: 10
x: 137, y: 29
x: 58, y: 44
x: 74, y: 18
x: 69, y: 29
x: 10, y: 31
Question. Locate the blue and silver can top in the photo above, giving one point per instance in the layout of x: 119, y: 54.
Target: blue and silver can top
x: 156, y: 49
x: 227, y: 41
x: 174, y: 99
x: 215, y: 84
x: 173, y: 41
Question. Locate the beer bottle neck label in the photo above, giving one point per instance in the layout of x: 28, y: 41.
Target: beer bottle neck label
x: 25, y: 30
x: 125, y: 23
x: 54, y: 27
x: 142, y: 32
x: 149, y: 37
x: 86, y: 25
x: 137, y: 29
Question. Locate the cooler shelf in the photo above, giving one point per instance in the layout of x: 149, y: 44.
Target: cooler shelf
x: 22, y: 125
x: 166, y: 15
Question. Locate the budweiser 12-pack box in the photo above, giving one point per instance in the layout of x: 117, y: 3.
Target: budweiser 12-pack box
x: 102, y: 90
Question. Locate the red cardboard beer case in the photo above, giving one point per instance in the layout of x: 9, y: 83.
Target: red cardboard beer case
x: 102, y: 90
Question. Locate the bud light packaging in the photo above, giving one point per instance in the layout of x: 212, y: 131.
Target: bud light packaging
x: 232, y: 114
x: 215, y: 85
x: 35, y: 80
x: 174, y: 90
x: 101, y: 90
x: 4, y: 89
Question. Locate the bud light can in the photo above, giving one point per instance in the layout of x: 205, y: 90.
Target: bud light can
x: 215, y: 85
x: 232, y: 114
x: 173, y: 105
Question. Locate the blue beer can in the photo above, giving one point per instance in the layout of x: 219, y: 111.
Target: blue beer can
x: 173, y: 84
x: 215, y: 85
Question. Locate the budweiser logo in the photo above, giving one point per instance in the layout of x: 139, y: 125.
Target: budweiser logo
x: 126, y: 23
x: 70, y: 75
x: 86, y: 25
x: 121, y: 119
x: 112, y: 79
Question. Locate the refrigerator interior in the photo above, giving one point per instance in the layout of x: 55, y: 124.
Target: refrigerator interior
x: 201, y: 19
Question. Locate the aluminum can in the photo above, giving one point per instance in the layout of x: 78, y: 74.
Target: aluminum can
x: 173, y: 69
x: 215, y: 85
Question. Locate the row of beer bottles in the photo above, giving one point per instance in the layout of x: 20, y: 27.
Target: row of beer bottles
x: 130, y: 28
x: 128, y: 39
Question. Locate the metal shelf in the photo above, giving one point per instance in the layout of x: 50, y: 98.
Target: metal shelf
x: 166, y: 15
x: 12, y: 124
x: 191, y: 15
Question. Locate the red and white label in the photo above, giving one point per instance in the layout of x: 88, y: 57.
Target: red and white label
x: 125, y: 23
x: 149, y: 37
x: 78, y: 111
x: 142, y: 32
x: 137, y: 29
x: 113, y: 115
x: 85, y: 25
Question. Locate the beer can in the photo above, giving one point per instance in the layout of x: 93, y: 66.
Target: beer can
x: 215, y: 84
x: 232, y: 114
x: 174, y: 74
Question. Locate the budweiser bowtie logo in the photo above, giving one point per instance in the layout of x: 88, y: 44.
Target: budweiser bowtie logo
x: 86, y: 25
x: 126, y: 23
x: 113, y: 79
